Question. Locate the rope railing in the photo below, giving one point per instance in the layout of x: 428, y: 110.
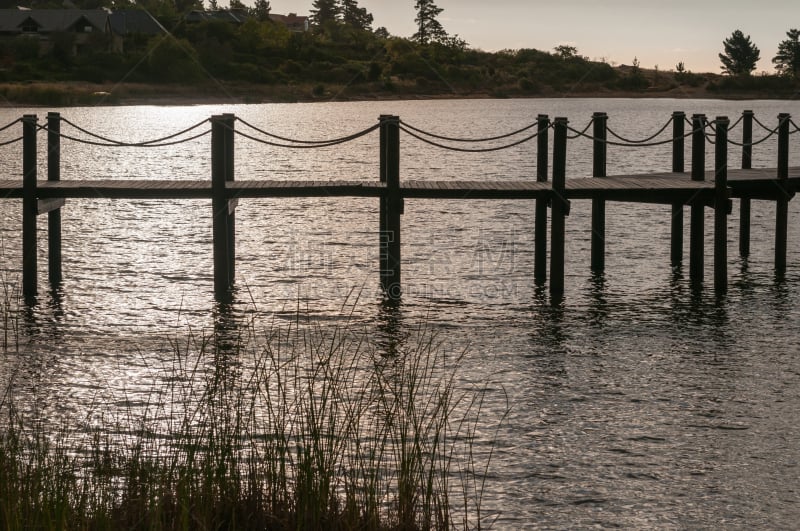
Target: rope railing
x: 755, y: 142
x: 148, y: 144
x: 310, y: 143
x: 468, y: 140
x: 9, y: 142
x: 108, y: 142
x: 306, y: 145
x: 10, y: 125
x: 796, y: 128
x: 580, y: 133
x: 622, y: 144
x: 430, y: 142
x: 643, y: 141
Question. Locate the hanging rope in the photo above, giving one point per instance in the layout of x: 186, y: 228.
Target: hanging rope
x: 621, y: 144
x: 467, y: 150
x: 122, y: 144
x: 580, y: 133
x: 755, y: 143
x: 12, y: 124
x: 648, y: 139
x: 452, y: 139
x: 756, y: 120
x: 311, y: 143
x: 306, y: 145
x: 9, y: 142
x: 796, y: 128
x: 159, y: 142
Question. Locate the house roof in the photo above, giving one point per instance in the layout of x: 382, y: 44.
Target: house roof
x: 291, y: 20
x: 236, y: 16
x: 128, y: 21
x: 52, y: 20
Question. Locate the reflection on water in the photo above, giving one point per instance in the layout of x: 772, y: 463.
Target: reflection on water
x: 637, y: 400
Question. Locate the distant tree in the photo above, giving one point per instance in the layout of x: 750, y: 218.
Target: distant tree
x: 213, y: 5
x: 261, y: 10
x: 324, y: 11
x: 429, y: 29
x: 740, y: 56
x: 237, y: 4
x: 382, y: 33
x: 787, y: 62
x: 356, y: 17
x: 565, y: 51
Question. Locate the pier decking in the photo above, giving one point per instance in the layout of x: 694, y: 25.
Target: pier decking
x: 677, y: 188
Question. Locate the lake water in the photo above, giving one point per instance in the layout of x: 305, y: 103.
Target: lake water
x: 636, y: 402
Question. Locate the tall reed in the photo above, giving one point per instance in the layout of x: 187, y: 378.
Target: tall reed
x: 294, y: 426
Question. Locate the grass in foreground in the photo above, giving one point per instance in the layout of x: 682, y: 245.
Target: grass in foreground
x: 301, y: 428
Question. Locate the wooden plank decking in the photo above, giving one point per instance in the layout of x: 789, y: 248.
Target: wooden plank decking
x: 656, y: 187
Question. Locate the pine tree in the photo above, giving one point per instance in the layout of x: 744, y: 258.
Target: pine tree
x: 787, y: 62
x: 356, y: 17
x: 428, y: 27
x: 740, y: 56
x: 324, y: 11
x: 261, y: 10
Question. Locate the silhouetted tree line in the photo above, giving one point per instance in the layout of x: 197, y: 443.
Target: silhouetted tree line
x: 343, y: 54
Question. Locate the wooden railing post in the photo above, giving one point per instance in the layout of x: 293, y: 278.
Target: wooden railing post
x: 224, y: 228
x: 559, y: 209
x: 782, y: 204
x: 697, y: 210
x: 540, y: 236
x: 721, y: 205
x: 391, y: 207
x: 54, y: 216
x: 676, y: 226
x: 29, y: 206
x: 600, y: 151
x: 744, y: 203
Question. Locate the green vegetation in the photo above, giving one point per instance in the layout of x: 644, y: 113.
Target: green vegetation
x: 342, y: 57
x: 299, y: 428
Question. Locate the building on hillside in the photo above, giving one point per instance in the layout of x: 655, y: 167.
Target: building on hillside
x: 82, y: 29
x: 294, y: 23
x: 79, y: 27
x: 135, y: 25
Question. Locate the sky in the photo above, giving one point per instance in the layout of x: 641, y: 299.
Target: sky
x: 657, y: 32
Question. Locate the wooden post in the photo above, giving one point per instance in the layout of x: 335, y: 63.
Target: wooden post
x: 391, y: 207
x: 223, y: 219
x: 600, y: 120
x: 721, y: 205
x: 540, y: 236
x: 782, y: 204
x: 29, y: 207
x: 560, y: 208
x: 697, y: 214
x: 676, y: 228
x: 54, y: 216
x: 744, y: 203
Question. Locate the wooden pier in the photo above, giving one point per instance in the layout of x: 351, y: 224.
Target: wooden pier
x: 678, y: 188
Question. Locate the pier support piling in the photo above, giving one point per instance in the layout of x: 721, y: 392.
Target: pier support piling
x: 540, y: 235
x: 600, y: 152
x: 30, y: 208
x: 721, y: 205
x: 54, y: 216
x: 744, y: 203
x: 676, y: 226
x: 782, y: 204
x: 697, y: 208
x: 224, y: 219
x: 559, y: 209
x: 391, y: 207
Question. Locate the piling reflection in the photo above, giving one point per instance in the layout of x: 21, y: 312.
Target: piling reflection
x: 391, y: 336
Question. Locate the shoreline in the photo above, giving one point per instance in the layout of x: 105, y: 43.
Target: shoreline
x: 76, y: 94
